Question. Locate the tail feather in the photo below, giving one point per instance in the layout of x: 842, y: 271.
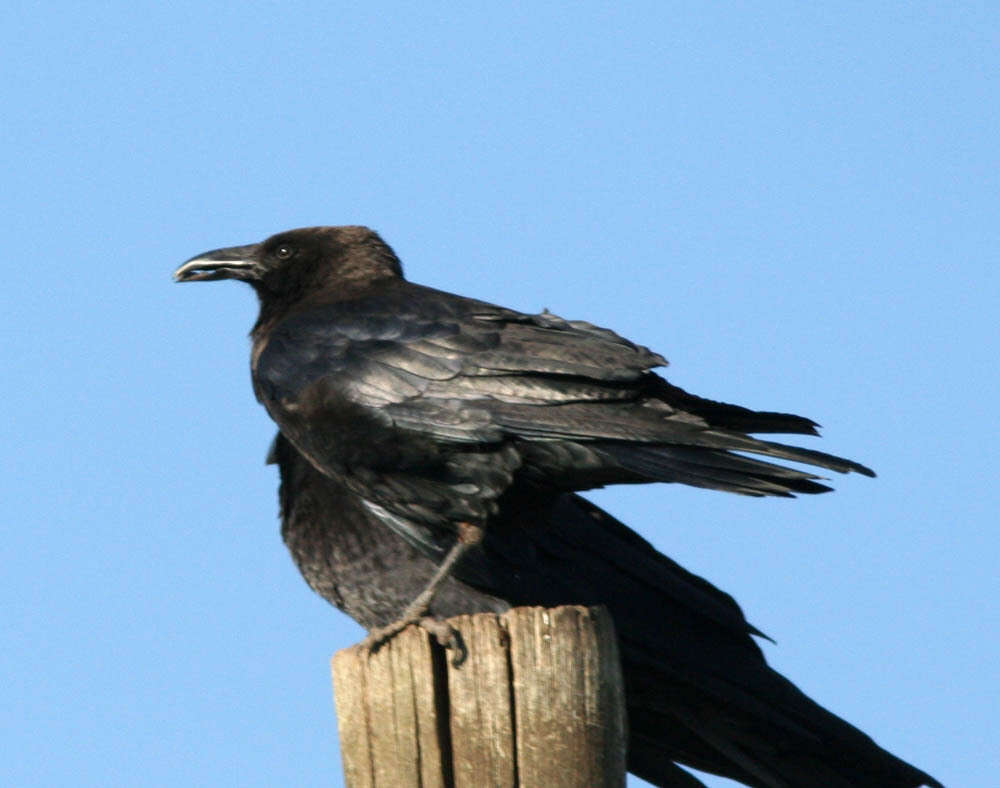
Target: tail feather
x: 714, y: 469
x: 745, y: 443
x: 752, y: 749
x: 734, y: 418
x: 811, y: 457
x: 698, y: 689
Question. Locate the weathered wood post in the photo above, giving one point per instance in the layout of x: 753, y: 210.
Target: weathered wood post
x: 538, y: 703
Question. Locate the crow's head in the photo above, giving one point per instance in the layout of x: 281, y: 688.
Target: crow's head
x: 295, y: 262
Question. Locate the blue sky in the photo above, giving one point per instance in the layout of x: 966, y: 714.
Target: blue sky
x: 795, y: 203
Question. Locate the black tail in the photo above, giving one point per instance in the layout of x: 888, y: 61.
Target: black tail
x: 706, y: 457
x: 716, y: 467
x: 731, y: 417
x: 698, y: 690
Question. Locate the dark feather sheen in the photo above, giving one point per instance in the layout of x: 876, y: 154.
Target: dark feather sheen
x: 458, y: 382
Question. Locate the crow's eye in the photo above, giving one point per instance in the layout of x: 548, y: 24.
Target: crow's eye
x: 284, y: 252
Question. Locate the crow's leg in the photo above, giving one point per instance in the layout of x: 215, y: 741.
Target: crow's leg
x: 415, y: 613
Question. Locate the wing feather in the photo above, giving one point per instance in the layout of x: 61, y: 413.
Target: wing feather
x: 461, y: 373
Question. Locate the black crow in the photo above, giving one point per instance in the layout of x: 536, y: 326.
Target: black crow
x: 430, y: 406
x: 697, y: 688
x: 443, y: 421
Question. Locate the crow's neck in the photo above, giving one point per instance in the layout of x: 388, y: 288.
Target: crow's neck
x: 274, y: 310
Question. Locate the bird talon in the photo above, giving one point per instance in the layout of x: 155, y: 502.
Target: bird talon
x: 447, y: 637
x: 379, y: 637
x: 444, y: 633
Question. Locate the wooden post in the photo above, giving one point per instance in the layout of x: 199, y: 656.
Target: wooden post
x: 538, y: 702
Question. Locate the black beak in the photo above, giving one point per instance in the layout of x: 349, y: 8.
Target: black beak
x: 236, y: 262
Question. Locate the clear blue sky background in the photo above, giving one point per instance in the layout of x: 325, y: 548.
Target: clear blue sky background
x: 797, y: 203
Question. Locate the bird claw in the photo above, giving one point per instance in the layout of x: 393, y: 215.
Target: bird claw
x: 444, y: 633
x: 379, y: 637
x: 447, y: 637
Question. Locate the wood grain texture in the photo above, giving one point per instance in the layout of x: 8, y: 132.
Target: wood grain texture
x: 565, y: 697
x: 537, y: 702
x: 388, y: 718
x: 480, y: 705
